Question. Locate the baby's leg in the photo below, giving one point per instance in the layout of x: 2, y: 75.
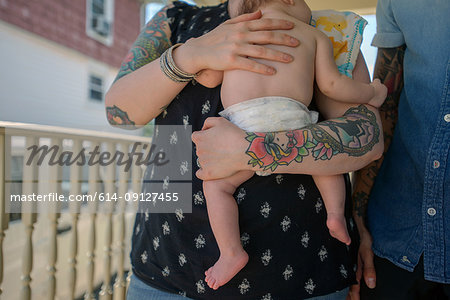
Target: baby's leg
x: 223, y: 217
x: 332, y: 189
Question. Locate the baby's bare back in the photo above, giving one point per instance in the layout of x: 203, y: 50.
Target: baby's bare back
x: 293, y: 80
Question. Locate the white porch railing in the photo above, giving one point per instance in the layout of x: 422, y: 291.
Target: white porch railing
x: 38, y: 262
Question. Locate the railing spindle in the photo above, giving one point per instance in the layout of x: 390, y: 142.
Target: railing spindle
x: 93, y: 190
x: 110, y: 175
x: 54, y: 185
x: 29, y: 217
x: 120, y: 284
x: 75, y: 189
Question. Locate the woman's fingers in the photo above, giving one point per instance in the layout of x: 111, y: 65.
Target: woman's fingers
x: 261, y: 31
x: 253, y: 22
x: 256, y: 51
x: 271, y: 37
x: 210, y: 122
x: 268, y: 24
x: 220, y: 147
x: 245, y: 17
x: 253, y: 66
x: 230, y: 45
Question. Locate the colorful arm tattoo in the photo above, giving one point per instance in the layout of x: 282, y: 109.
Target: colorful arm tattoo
x: 354, y: 134
x: 116, y: 116
x: 153, y: 40
x: 389, y: 69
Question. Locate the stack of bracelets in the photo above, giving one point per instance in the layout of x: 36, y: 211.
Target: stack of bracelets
x: 169, y: 68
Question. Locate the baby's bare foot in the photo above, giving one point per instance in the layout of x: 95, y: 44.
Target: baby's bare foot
x: 225, y: 268
x: 338, y: 227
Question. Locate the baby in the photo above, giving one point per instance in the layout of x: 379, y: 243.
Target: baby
x: 260, y: 103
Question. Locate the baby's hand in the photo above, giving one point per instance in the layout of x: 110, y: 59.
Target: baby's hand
x: 210, y: 78
x: 380, y: 93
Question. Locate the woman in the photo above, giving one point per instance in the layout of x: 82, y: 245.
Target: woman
x: 282, y: 218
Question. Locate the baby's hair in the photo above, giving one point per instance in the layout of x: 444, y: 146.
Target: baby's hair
x: 249, y: 6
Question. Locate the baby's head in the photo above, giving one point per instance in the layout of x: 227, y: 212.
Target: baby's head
x: 296, y: 8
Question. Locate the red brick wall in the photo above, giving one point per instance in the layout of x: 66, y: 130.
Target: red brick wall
x: 64, y: 22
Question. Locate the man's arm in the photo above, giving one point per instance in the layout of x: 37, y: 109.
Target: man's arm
x: 389, y: 69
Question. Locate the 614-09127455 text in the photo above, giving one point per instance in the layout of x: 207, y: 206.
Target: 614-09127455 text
x: 145, y: 197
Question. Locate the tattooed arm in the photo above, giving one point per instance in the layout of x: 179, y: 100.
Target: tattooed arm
x: 331, y: 147
x: 127, y: 100
x: 334, y: 146
x: 389, y: 69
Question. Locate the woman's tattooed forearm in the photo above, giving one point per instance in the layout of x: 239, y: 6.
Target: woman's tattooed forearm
x: 151, y: 43
x: 116, y: 116
x: 354, y: 134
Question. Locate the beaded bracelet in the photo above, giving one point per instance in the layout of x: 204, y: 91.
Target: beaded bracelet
x: 170, y: 69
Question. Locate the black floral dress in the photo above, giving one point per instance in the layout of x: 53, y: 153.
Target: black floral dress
x: 282, y: 217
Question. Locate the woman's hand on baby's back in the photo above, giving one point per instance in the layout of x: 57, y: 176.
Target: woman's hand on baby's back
x: 231, y: 45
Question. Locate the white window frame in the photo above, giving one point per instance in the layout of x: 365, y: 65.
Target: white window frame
x: 104, y: 22
x: 100, y: 88
x: 100, y: 70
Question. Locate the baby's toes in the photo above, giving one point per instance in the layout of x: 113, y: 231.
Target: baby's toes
x: 215, y: 285
x: 211, y: 283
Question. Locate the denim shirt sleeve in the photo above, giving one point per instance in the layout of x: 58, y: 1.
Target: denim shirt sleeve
x: 388, y: 33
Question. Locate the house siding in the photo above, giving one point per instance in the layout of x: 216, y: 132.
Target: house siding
x: 64, y: 22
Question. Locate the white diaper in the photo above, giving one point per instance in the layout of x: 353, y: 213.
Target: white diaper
x: 269, y: 114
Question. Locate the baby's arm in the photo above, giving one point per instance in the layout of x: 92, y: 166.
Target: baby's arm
x: 210, y: 78
x: 338, y: 86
